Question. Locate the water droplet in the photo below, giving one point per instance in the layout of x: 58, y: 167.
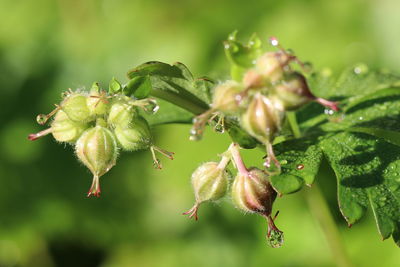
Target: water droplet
x: 328, y: 111
x: 42, y: 119
x: 273, y: 41
x: 283, y: 162
x: 360, y: 118
x: 219, y: 128
x: 300, y: 167
x: 361, y: 69
x: 275, y: 239
x: 151, y: 106
x: 227, y: 46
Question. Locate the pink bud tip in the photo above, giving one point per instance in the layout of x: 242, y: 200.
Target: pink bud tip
x: 33, y: 137
x: 329, y: 104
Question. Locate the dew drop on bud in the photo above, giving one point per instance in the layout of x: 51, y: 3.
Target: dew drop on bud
x: 329, y: 112
x: 41, y: 119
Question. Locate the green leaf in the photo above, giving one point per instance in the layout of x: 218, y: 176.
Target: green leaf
x: 368, y: 173
x: 361, y: 144
x: 300, y: 160
x: 241, y: 56
x: 168, y: 113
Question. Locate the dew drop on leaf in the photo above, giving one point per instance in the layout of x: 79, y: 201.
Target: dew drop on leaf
x: 361, y: 69
x: 300, y: 166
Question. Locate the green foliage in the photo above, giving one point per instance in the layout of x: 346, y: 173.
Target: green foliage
x: 360, y: 142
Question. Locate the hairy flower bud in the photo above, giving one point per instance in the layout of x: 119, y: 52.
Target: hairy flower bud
x: 293, y: 91
x: 262, y: 119
x: 210, y: 183
x: 136, y: 136
x: 66, y: 130
x: 97, y: 101
x: 271, y: 65
x: 75, y: 106
x: 97, y: 150
x: 121, y: 112
x: 225, y: 97
x: 252, y: 192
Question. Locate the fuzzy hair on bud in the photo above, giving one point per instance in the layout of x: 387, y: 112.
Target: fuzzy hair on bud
x: 97, y: 150
x: 136, y: 136
x: 252, y: 192
x: 97, y: 101
x: 121, y: 113
x: 64, y: 129
x: 271, y: 65
x: 293, y: 91
x: 210, y: 183
x: 76, y: 108
x: 262, y: 119
x: 225, y: 97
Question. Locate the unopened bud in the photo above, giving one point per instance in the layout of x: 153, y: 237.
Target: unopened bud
x: 225, y: 97
x: 252, y: 192
x: 271, y: 65
x: 97, y: 150
x: 135, y: 137
x: 97, y: 101
x: 121, y: 112
x: 75, y: 106
x: 66, y: 130
x: 210, y: 183
x: 262, y: 119
x: 293, y: 91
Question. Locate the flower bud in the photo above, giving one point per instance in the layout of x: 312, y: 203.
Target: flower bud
x: 121, y: 112
x: 252, y: 192
x: 136, y: 136
x: 224, y: 98
x: 75, y: 106
x: 97, y: 101
x: 97, y: 150
x: 66, y: 130
x: 262, y: 119
x: 210, y: 183
x: 293, y: 91
x: 271, y: 65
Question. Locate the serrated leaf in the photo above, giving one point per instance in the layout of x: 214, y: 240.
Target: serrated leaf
x: 300, y: 159
x: 173, y: 79
x: 368, y: 173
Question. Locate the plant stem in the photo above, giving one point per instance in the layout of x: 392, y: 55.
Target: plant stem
x: 320, y: 210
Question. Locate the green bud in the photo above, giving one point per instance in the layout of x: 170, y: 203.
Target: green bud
x: 252, y: 192
x: 262, y: 119
x: 66, y: 130
x: 135, y: 137
x: 293, y: 92
x: 271, y: 65
x: 75, y: 106
x: 225, y: 97
x: 121, y: 112
x: 97, y: 150
x: 97, y: 101
x: 210, y: 183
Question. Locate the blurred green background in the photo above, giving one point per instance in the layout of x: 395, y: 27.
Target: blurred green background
x: 47, y: 46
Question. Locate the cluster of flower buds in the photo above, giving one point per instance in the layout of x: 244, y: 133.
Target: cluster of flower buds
x: 251, y: 190
x: 98, y: 125
x: 260, y: 101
